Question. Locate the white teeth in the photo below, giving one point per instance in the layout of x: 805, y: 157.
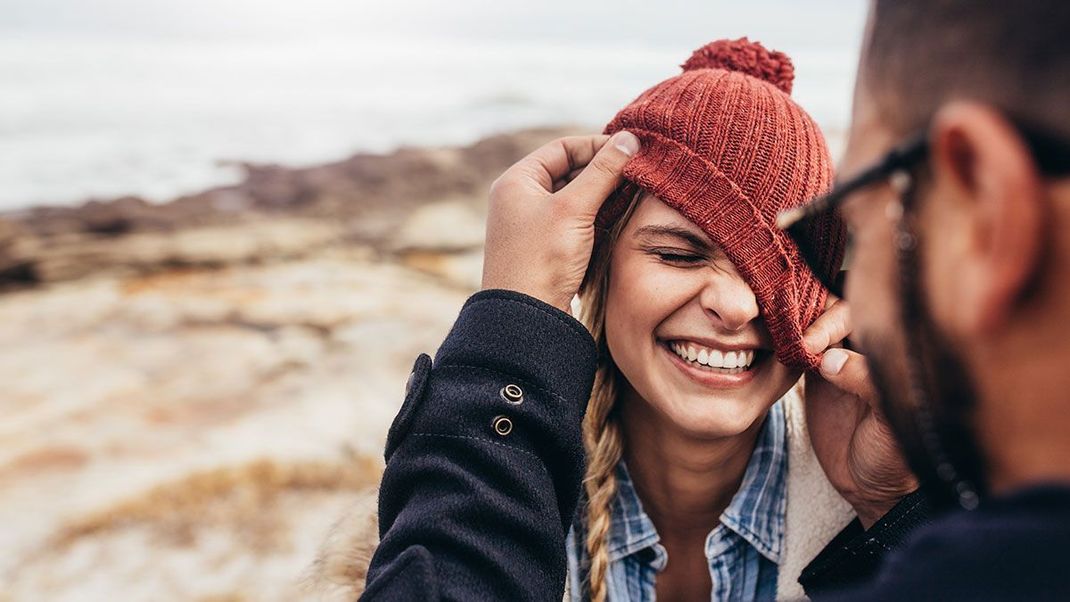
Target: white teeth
x: 714, y: 358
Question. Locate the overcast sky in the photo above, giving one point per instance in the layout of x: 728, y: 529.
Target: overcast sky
x: 832, y: 23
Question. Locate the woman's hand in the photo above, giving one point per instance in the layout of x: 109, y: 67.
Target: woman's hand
x: 540, y: 224
x: 850, y: 436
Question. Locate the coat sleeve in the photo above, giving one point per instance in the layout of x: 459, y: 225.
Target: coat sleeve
x: 485, y: 458
x: 855, y: 555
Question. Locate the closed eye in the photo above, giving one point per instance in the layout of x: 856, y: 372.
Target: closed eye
x: 676, y: 257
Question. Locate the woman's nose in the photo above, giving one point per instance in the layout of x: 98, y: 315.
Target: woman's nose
x: 730, y: 301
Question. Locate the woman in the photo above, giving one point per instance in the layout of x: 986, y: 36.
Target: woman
x: 700, y: 480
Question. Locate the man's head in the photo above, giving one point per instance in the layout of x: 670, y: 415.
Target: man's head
x: 963, y: 304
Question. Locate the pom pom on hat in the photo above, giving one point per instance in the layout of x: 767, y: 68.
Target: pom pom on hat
x: 744, y: 56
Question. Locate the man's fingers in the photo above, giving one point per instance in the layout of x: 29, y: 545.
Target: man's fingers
x: 559, y: 184
x: 554, y: 160
x: 603, y: 173
x: 830, y: 328
x: 849, y: 372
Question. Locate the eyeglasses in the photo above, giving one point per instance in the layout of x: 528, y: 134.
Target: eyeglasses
x: 1052, y: 156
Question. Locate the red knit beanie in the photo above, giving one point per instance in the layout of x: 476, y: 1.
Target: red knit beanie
x: 724, y: 144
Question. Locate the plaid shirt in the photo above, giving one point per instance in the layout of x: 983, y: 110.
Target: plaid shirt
x: 743, y: 551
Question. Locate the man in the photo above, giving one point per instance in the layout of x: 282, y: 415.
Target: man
x: 957, y: 187
x: 958, y: 284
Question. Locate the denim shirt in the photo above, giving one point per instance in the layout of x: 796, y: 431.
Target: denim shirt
x: 743, y: 551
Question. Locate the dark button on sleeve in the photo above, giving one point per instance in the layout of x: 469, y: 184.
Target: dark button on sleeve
x: 512, y: 394
x: 414, y: 392
x: 503, y: 425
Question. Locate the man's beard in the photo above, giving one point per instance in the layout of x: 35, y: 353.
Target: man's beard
x: 928, y: 399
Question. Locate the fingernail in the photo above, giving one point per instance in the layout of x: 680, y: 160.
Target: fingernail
x: 626, y: 142
x: 832, y: 362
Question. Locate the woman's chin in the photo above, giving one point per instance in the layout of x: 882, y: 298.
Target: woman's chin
x: 697, y: 419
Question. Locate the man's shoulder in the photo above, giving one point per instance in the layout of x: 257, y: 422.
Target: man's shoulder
x: 1013, y: 548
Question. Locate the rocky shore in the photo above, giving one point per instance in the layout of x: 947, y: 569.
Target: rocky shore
x: 381, y: 202
x: 197, y: 392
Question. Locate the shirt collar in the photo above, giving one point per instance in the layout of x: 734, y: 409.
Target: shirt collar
x: 756, y: 512
x: 630, y: 529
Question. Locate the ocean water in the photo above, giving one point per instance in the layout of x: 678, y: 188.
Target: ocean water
x: 101, y: 98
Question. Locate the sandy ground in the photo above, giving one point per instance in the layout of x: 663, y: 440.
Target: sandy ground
x: 193, y: 435
x: 196, y: 395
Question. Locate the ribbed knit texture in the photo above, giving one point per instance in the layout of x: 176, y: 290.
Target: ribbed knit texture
x: 724, y: 144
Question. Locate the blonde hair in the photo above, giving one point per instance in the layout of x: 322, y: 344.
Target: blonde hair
x: 601, y: 429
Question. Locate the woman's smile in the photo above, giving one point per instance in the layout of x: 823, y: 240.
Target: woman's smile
x: 730, y: 359
x: 713, y: 367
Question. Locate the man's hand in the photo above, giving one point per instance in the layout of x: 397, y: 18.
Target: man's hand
x: 540, y: 225
x: 850, y: 436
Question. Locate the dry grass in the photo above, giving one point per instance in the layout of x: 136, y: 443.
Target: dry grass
x: 241, y: 499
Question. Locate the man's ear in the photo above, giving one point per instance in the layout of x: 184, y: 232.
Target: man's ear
x: 983, y: 166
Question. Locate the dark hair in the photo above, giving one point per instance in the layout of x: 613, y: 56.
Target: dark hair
x: 1014, y: 55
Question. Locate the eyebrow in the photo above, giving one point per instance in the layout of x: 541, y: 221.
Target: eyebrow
x: 676, y: 232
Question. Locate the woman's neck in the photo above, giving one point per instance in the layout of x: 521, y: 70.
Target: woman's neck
x: 685, y: 482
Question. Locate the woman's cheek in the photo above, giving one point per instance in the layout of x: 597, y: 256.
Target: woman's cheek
x: 633, y: 290
x: 661, y: 286
x: 634, y: 308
